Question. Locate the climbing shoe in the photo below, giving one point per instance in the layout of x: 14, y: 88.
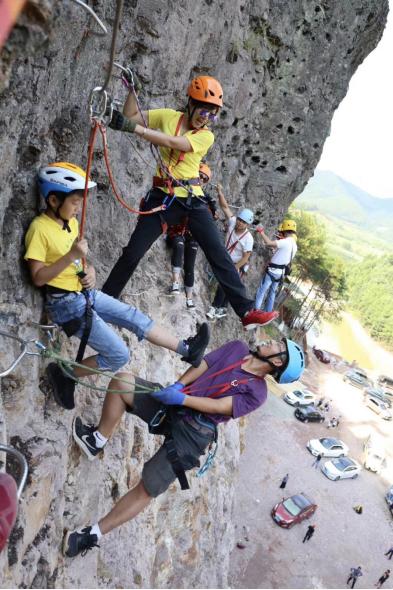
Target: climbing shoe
x: 190, y: 304
x: 211, y: 314
x: 221, y: 312
x: 197, y: 345
x: 175, y: 288
x: 63, y: 387
x: 85, y: 439
x: 256, y: 317
x: 80, y: 541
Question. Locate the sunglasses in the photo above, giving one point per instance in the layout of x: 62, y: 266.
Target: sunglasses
x: 206, y: 113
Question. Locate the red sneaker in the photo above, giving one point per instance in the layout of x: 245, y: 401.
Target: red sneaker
x: 256, y: 317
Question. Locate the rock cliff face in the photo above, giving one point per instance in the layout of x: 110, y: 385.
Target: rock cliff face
x: 285, y: 67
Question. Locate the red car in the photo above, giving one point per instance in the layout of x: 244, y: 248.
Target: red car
x: 293, y: 510
x: 321, y: 355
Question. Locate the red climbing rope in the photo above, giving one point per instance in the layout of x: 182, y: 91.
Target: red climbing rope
x: 113, y: 185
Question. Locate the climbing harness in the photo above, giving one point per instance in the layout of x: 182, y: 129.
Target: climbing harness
x: 10, y: 494
x: 93, y: 14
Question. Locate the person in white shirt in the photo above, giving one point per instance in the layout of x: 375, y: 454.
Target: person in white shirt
x: 285, y: 250
x: 239, y: 243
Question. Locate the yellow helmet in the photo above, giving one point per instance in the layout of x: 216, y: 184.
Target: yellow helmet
x: 287, y: 225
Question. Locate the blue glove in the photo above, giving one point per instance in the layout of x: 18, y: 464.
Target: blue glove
x: 171, y: 395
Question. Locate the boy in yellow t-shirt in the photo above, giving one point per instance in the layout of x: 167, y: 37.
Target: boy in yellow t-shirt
x: 183, y: 139
x: 54, y: 254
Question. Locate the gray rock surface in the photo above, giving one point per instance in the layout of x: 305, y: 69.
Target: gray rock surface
x: 285, y: 67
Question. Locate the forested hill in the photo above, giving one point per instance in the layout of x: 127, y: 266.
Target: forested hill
x: 337, y: 198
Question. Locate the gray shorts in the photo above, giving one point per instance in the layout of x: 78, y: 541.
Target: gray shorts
x: 190, y: 437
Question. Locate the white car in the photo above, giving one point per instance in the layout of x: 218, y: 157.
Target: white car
x: 379, y: 407
x: 327, y: 447
x: 299, y: 397
x: 342, y: 468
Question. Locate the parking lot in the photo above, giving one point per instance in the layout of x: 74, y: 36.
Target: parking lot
x: 273, y: 557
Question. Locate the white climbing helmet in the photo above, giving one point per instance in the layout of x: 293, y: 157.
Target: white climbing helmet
x: 246, y: 215
x: 62, y: 177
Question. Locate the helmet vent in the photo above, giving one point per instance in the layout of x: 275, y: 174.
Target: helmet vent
x: 70, y: 178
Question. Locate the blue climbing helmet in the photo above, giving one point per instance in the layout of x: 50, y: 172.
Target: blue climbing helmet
x: 62, y: 177
x: 293, y: 368
x: 246, y: 215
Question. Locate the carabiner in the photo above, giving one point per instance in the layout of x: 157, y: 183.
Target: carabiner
x: 101, y: 105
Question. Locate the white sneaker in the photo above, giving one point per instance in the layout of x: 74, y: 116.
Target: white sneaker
x: 175, y: 288
x: 190, y: 304
x: 211, y: 314
x: 221, y: 312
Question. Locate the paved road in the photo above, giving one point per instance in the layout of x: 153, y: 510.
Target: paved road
x: 275, y: 444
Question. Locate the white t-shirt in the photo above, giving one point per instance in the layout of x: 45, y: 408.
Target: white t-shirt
x: 245, y: 241
x: 285, y: 252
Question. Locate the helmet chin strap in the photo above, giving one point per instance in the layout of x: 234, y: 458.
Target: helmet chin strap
x: 66, y: 225
x: 266, y: 359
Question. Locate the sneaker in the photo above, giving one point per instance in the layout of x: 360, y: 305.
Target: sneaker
x: 256, y: 317
x: 80, y: 541
x: 197, y: 345
x: 190, y: 304
x: 63, y: 387
x: 221, y: 312
x: 175, y: 288
x: 85, y: 439
x: 211, y: 314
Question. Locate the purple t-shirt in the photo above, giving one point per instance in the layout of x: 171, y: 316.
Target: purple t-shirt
x: 246, y: 396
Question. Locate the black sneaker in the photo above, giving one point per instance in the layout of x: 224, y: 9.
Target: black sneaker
x: 63, y: 387
x: 80, y: 541
x: 85, y: 439
x: 197, y: 345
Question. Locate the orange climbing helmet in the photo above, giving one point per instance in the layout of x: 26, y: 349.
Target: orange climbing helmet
x: 205, y: 169
x: 206, y: 89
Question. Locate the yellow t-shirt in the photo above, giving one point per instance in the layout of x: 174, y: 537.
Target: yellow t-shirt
x: 47, y: 241
x: 166, y: 120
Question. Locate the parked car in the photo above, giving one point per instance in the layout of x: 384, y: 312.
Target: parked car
x: 386, y: 383
x: 379, y: 407
x: 342, y: 468
x: 321, y: 355
x: 389, y: 499
x: 299, y: 397
x: 379, y: 393
x: 293, y: 510
x: 374, y: 454
x: 327, y: 447
x: 358, y: 378
x: 309, y: 414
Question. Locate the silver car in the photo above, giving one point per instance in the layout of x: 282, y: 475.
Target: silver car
x: 379, y: 407
x: 343, y: 468
x: 327, y: 447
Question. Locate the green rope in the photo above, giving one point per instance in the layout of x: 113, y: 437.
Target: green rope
x: 66, y: 364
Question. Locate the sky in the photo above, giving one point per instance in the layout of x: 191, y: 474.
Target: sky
x: 360, y: 146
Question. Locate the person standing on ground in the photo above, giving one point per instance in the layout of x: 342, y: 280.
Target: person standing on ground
x: 185, y: 248
x: 309, y: 533
x: 356, y: 572
x: 317, y: 461
x: 279, y: 265
x: 383, y: 579
x: 184, y: 138
x: 390, y: 553
x: 229, y: 383
x: 284, y: 481
x: 239, y: 244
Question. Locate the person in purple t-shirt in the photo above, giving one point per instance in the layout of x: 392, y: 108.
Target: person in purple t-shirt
x: 229, y: 383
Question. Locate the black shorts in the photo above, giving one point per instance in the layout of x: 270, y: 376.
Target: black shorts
x: 191, y: 432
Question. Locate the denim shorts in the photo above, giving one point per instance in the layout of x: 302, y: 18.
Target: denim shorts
x: 190, y: 443
x: 112, y: 351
